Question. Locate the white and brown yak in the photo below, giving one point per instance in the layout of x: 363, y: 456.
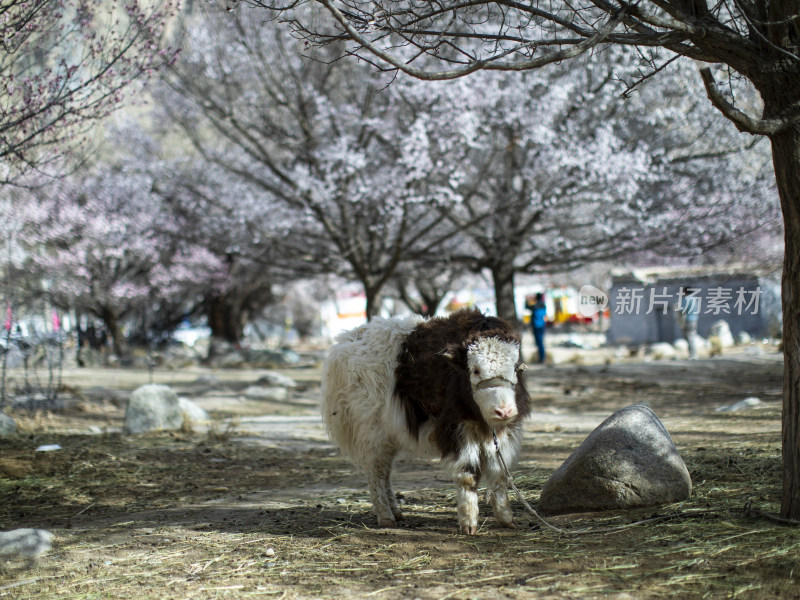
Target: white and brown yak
x: 443, y: 386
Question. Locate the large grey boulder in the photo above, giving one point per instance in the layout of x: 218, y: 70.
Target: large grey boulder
x: 153, y: 407
x: 628, y: 461
x: 25, y: 544
x: 7, y: 425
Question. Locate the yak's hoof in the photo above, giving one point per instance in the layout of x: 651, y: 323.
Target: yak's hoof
x: 469, y: 529
x: 389, y: 523
x: 509, y: 525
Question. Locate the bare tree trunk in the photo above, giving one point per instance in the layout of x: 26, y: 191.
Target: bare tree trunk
x: 786, y: 158
x: 225, y: 318
x: 118, y: 342
x: 374, y: 300
x: 503, y: 279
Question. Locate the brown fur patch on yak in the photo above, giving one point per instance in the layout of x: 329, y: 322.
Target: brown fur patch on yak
x: 432, y: 378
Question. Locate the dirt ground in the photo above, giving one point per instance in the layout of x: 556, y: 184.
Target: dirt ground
x: 261, y: 504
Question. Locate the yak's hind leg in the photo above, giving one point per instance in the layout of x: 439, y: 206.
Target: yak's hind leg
x: 379, y: 474
x: 392, y: 498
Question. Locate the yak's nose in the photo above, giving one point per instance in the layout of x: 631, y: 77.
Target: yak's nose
x: 504, y: 412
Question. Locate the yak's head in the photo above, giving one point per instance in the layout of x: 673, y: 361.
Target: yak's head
x: 492, y: 365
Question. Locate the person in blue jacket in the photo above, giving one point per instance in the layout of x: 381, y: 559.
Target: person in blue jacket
x: 538, y: 314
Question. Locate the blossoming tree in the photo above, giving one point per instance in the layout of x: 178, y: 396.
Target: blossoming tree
x: 749, y: 44
x: 63, y: 66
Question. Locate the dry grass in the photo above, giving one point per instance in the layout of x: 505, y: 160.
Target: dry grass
x: 196, y: 516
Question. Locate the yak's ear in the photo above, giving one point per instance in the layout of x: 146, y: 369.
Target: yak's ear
x: 456, y: 355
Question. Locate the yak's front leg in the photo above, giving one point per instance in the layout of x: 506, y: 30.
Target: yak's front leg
x: 467, y: 494
x: 498, y: 498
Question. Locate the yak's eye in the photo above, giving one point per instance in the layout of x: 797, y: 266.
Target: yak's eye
x: 476, y: 371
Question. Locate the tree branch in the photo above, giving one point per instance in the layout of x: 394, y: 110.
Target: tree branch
x: 490, y: 64
x: 741, y: 120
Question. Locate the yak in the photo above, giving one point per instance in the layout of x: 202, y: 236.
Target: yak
x: 447, y: 386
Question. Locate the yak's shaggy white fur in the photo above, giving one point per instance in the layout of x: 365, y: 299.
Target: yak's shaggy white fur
x: 368, y: 423
x: 358, y: 381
